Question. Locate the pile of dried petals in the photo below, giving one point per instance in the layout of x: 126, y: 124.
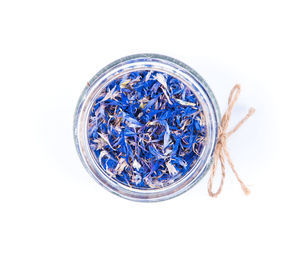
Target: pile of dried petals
x: 146, y: 129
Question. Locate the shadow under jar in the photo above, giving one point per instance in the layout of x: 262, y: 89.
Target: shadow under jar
x: 146, y: 126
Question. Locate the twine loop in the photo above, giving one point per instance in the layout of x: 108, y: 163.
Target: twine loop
x: 221, y: 150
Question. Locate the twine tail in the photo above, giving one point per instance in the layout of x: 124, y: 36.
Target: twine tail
x: 243, y: 185
x: 218, y: 157
x: 221, y: 147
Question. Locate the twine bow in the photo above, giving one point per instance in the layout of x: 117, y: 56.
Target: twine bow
x: 221, y: 151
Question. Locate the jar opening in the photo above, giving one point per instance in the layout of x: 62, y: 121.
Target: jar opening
x: 146, y: 129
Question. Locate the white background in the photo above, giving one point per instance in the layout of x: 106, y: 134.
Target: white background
x: 50, y: 49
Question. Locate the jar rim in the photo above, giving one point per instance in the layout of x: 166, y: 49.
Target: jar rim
x: 130, y: 64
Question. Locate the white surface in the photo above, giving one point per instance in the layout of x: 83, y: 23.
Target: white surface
x: 50, y: 49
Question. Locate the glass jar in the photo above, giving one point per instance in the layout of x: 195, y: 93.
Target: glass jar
x: 149, y: 62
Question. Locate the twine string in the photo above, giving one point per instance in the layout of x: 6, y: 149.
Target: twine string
x: 221, y: 151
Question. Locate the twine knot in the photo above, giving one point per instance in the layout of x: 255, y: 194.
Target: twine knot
x: 221, y: 151
x: 222, y: 136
